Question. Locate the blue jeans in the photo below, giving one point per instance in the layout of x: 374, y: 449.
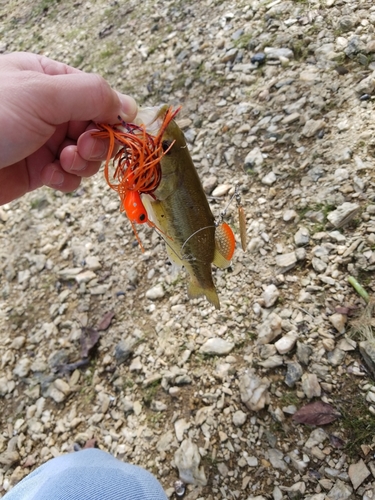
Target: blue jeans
x: 87, y: 475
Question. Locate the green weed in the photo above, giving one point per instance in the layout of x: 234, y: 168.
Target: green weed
x: 243, y: 41
x: 358, y: 423
x: 150, y: 392
x: 44, y: 7
x: 289, y: 398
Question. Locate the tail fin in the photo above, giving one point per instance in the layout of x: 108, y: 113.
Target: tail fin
x: 195, y: 290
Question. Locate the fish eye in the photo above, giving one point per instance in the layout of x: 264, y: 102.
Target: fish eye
x: 165, y: 145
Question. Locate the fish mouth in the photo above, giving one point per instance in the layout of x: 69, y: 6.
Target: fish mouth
x: 149, y: 118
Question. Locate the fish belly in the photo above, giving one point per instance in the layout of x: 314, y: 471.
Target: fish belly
x: 190, y: 243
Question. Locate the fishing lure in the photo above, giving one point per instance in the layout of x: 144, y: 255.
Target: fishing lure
x: 241, y: 219
x: 137, y: 165
x: 222, y: 226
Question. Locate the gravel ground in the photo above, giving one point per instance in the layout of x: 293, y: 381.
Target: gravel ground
x: 278, y: 100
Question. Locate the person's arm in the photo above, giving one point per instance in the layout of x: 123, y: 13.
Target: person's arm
x: 47, y: 113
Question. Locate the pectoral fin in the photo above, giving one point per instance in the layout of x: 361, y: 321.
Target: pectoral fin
x: 225, y: 244
x: 173, y: 256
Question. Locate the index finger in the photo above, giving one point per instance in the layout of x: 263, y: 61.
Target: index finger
x: 84, y: 96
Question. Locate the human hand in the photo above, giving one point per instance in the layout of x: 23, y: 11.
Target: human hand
x: 47, y: 113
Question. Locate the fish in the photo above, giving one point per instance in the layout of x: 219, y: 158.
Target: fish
x: 172, y: 200
x: 179, y: 207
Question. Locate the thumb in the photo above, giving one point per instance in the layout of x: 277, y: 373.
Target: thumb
x: 84, y: 96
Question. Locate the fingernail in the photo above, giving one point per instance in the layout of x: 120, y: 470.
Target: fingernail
x: 98, y: 150
x: 129, y: 108
x: 56, y: 179
x: 78, y: 163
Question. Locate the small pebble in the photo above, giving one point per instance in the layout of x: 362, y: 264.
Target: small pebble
x: 155, y: 293
x: 216, y: 346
